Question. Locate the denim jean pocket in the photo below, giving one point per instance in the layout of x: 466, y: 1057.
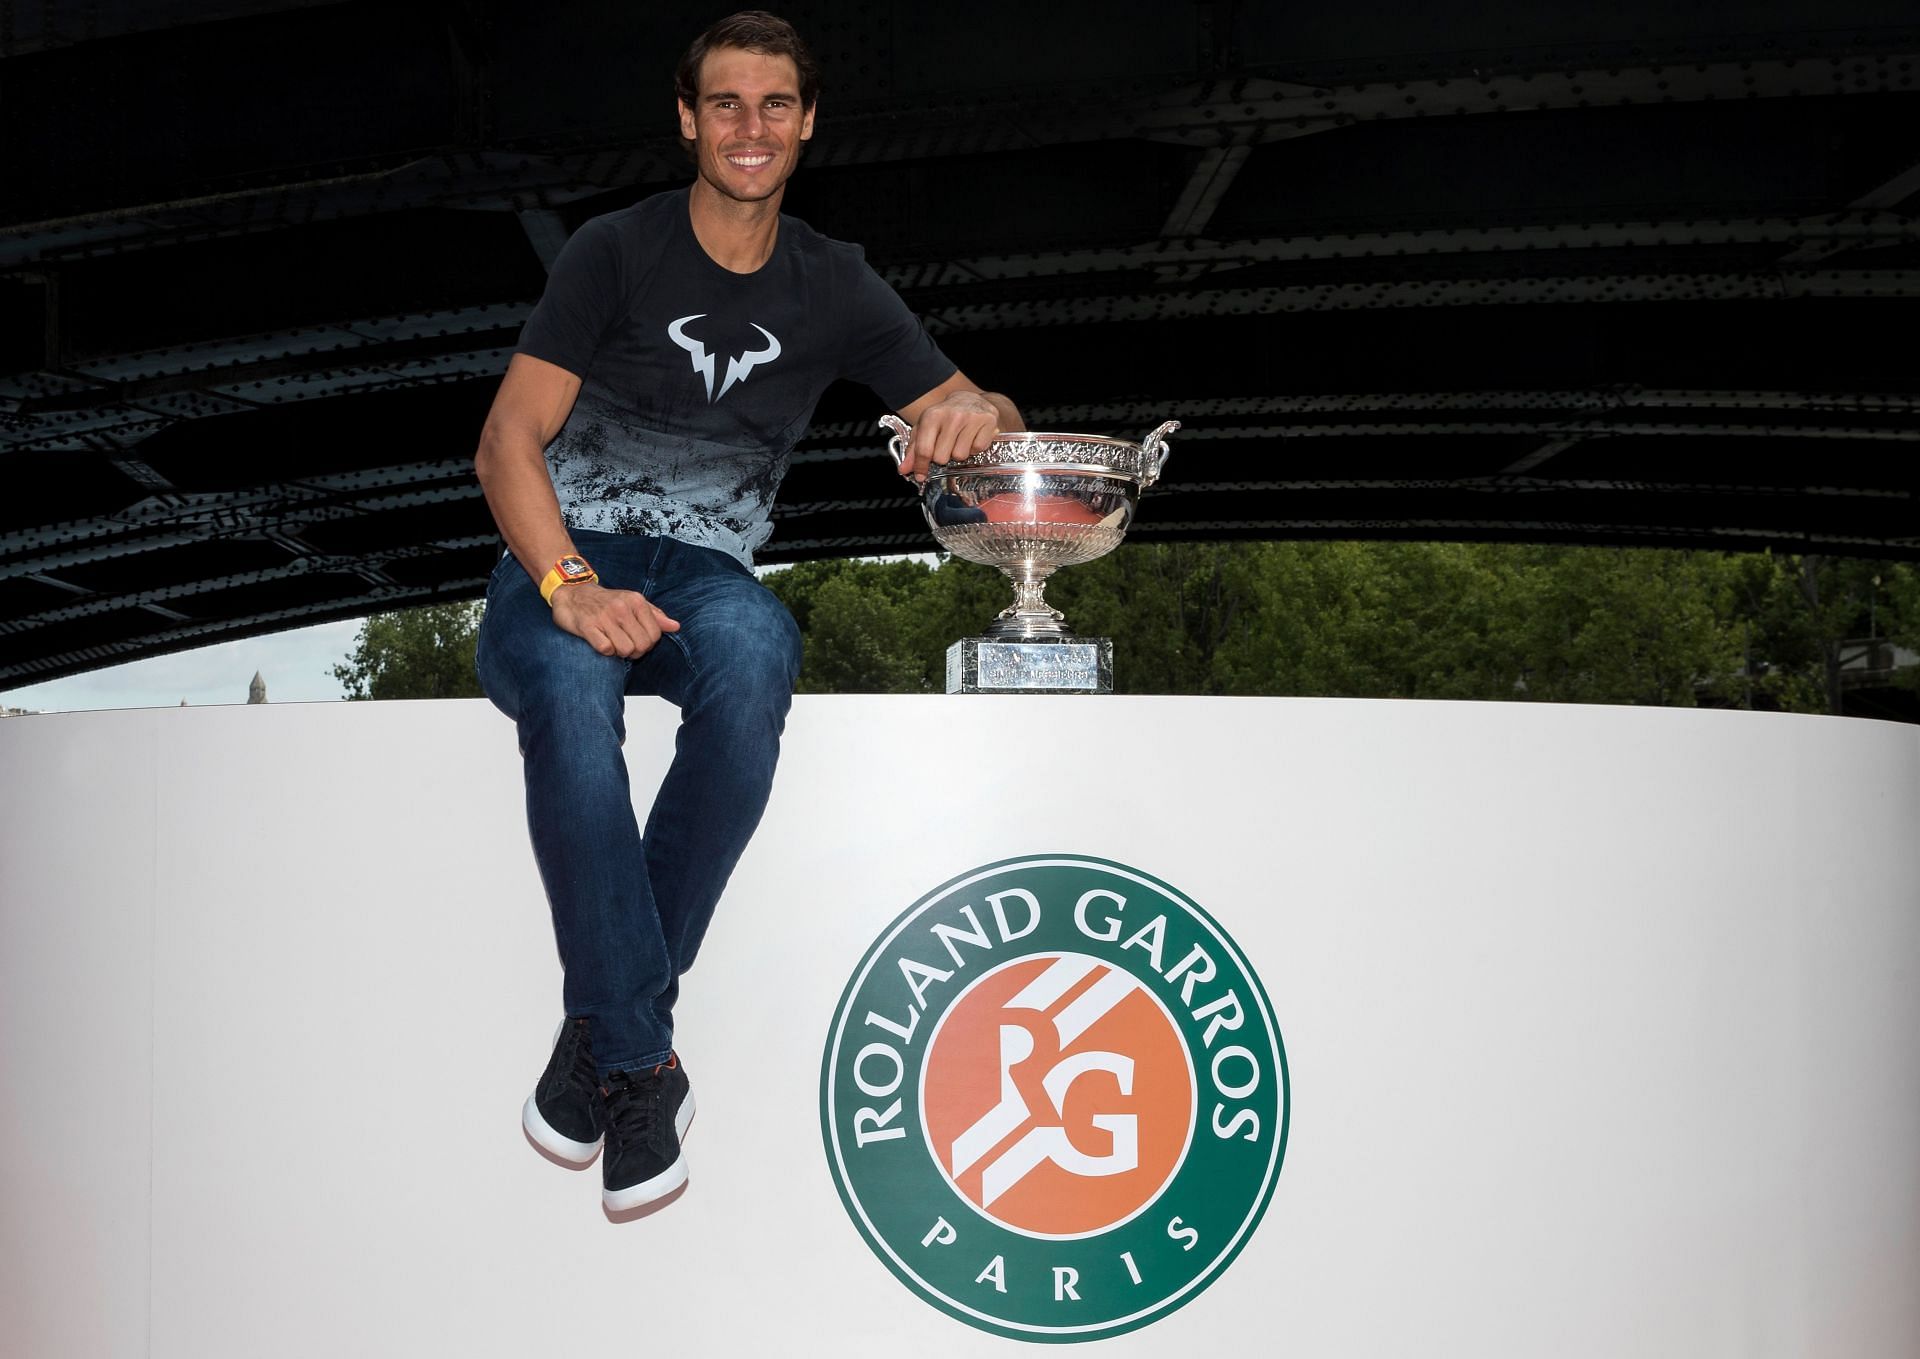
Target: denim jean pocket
x: 493, y: 576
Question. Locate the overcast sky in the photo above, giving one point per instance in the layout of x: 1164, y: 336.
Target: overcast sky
x: 295, y: 665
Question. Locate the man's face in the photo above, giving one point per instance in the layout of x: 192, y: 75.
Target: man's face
x: 748, y: 125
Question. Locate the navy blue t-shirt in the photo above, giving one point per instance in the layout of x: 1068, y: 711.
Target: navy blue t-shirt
x: 696, y: 382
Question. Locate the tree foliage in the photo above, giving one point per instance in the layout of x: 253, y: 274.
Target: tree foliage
x: 1334, y: 619
x: 415, y: 653
x: 1405, y: 620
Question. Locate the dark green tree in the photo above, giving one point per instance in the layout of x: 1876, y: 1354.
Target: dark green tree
x: 1409, y: 620
x: 1804, y: 614
x: 1336, y: 619
x: 414, y: 653
x: 863, y: 625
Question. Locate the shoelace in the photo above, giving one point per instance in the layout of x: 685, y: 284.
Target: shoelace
x: 575, y: 1067
x: 634, y: 1104
x: 581, y: 1059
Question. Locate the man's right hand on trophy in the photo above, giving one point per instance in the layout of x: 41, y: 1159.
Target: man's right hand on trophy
x: 612, y: 622
x: 962, y: 424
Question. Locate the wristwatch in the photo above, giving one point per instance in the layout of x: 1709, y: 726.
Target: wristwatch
x: 569, y: 570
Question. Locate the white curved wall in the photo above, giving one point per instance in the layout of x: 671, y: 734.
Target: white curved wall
x: 1603, y: 1024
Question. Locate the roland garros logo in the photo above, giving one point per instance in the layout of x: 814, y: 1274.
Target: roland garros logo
x: 1054, y: 1098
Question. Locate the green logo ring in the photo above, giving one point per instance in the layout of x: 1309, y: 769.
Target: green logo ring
x: 1061, y: 919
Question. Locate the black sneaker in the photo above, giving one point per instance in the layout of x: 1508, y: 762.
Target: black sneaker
x: 562, y: 1115
x: 646, y: 1115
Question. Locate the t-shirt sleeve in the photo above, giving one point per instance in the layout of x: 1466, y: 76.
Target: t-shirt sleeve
x: 582, y: 300
x: 886, y: 347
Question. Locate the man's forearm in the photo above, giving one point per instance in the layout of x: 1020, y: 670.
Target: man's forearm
x: 513, y: 474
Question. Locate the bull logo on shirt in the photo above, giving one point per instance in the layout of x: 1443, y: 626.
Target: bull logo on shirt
x: 737, y: 368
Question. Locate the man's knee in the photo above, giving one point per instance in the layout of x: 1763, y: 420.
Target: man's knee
x: 546, y: 675
x: 754, y: 656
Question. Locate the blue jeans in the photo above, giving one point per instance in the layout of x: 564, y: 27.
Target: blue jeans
x: 630, y: 909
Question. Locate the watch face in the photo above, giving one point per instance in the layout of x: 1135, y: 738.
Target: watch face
x: 573, y: 568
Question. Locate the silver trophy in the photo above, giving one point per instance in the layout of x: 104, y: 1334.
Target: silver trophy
x: 1030, y: 504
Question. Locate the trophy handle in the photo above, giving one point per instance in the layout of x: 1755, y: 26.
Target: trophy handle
x: 897, y: 445
x: 1156, y: 442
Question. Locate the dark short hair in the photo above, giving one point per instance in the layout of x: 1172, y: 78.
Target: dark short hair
x: 751, y: 30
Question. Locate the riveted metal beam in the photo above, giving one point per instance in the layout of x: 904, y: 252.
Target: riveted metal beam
x: 161, y: 523
x: 1568, y: 428
x: 298, y: 360
x: 370, y: 568
x: 1212, y: 177
x: 822, y: 437
x: 36, y: 669
x: 1211, y: 114
x: 1551, y: 449
x: 1891, y: 193
x: 1546, y: 247
x: 385, y: 353
x: 1570, y: 463
x: 1252, y: 111
x: 1437, y: 292
x: 140, y: 474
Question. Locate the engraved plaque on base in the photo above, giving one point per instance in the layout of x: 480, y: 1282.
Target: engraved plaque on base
x: 1079, y: 665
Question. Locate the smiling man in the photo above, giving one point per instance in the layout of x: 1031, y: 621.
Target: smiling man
x: 631, y: 460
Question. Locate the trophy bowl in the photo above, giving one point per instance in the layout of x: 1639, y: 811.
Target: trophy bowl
x: 1031, y: 503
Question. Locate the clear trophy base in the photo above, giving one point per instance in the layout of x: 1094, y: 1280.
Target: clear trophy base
x: 1061, y: 665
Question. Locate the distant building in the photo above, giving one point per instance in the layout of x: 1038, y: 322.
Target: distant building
x: 257, y: 691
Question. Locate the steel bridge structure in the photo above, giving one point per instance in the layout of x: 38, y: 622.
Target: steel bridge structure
x: 1646, y: 273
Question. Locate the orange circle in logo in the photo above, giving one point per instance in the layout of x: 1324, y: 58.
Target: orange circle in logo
x: 1057, y: 1095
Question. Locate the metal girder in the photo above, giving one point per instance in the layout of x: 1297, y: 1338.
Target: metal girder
x: 1117, y: 414
x: 98, y: 603
x: 1888, y: 194
x: 228, y: 357
x: 1692, y: 435
x: 1539, y: 246
x: 448, y: 178
x: 1743, y: 539
x: 375, y: 353
x: 118, y: 427
x: 49, y: 24
x: 1249, y: 111
x: 128, y: 395
x: 175, y: 521
x: 121, y: 400
x: 1220, y: 114
x: 1894, y: 191
x: 1505, y: 484
x: 1566, y: 431
x: 264, y: 207
x: 1582, y: 428
x: 1258, y: 106
x: 1435, y: 292
x: 257, y: 360
x: 1212, y: 177
x: 1540, y: 456
x: 200, y: 633
x: 1564, y: 434
x: 140, y: 474
x: 1502, y: 484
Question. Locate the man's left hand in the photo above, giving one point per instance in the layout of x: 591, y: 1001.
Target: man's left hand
x: 959, y: 426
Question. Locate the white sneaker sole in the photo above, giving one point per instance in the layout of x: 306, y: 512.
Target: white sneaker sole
x: 556, y: 1144
x: 661, y: 1185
